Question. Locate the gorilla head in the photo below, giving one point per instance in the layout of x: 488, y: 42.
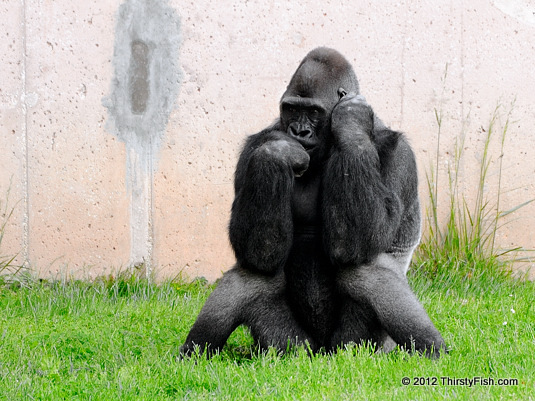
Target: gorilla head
x: 323, y: 77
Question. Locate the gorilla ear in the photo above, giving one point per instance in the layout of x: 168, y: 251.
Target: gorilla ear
x: 341, y: 93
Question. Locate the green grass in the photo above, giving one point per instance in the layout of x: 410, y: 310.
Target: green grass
x: 119, y: 339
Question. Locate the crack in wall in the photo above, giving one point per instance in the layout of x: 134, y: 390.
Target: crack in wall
x: 143, y: 93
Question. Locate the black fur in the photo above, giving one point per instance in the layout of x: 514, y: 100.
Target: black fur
x: 324, y: 222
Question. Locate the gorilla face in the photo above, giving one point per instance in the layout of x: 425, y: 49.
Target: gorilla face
x: 321, y: 80
x: 305, y: 119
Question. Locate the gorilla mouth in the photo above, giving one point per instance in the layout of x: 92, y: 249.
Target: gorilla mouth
x: 307, y: 144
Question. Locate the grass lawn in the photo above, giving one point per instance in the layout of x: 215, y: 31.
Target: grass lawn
x: 119, y: 340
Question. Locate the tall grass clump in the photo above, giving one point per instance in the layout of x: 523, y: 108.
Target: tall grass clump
x: 460, y: 241
x: 9, y: 271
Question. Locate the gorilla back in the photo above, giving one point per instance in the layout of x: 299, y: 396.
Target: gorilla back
x: 323, y: 224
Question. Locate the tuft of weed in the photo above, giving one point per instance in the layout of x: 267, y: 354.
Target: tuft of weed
x: 464, y: 246
x: 11, y: 273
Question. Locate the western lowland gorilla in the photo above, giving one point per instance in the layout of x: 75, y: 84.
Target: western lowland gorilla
x: 324, y: 223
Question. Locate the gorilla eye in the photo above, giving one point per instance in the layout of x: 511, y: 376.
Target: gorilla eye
x: 341, y: 93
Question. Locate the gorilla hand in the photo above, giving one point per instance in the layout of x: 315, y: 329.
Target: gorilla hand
x: 352, y: 120
x: 289, y: 152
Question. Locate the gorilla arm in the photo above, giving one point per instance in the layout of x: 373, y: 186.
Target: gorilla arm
x: 361, y: 196
x: 261, y: 233
x: 261, y: 227
x: 372, y: 224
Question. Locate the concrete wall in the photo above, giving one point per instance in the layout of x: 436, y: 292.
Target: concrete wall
x: 121, y: 121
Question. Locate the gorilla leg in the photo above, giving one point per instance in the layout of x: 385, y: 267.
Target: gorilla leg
x: 358, y: 323
x: 242, y: 297
x: 219, y: 316
x: 382, y: 300
x: 273, y: 324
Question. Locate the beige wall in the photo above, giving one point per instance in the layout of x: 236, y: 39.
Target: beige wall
x: 96, y: 187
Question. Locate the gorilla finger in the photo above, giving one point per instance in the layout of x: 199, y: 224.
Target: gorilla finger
x: 350, y: 98
x: 300, y: 166
x: 299, y: 171
x: 357, y: 99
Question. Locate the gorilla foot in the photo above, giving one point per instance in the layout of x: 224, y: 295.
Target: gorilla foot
x: 432, y: 350
x: 190, y: 349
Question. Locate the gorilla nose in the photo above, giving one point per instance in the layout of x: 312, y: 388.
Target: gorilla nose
x: 299, y: 132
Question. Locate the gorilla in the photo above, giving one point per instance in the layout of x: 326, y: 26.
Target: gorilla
x: 323, y: 225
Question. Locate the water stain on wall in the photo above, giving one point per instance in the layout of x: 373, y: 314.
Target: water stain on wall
x: 143, y: 91
x: 139, y: 77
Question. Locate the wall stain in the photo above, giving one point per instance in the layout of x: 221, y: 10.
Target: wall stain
x: 143, y: 92
x: 139, y: 77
